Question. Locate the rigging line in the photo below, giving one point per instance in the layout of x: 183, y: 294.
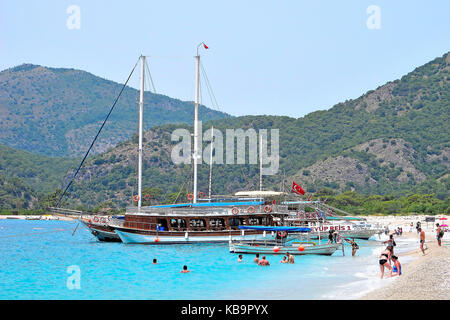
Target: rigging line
x: 150, y: 76
x: 209, y: 84
x: 208, y: 88
x: 98, y: 133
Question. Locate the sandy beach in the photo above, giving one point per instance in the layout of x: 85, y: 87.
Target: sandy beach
x: 424, y: 277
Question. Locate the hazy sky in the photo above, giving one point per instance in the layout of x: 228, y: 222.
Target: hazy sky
x: 265, y: 57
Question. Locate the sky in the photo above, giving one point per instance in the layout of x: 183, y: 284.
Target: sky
x: 265, y: 57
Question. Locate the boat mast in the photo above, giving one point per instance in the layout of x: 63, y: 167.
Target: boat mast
x: 141, y: 115
x: 260, y: 162
x: 211, y: 161
x: 197, y: 89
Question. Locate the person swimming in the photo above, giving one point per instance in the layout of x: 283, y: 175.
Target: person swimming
x: 185, y: 269
x: 154, y: 261
x: 256, y: 258
x: 240, y: 258
x: 284, y: 260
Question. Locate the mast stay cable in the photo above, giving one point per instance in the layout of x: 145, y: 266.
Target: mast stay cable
x: 96, y: 136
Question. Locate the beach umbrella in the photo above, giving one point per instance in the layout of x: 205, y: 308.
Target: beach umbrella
x: 444, y: 225
x: 443, y: 219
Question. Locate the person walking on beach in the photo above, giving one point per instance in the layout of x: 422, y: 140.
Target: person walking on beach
x: 397, y: 269
x: 263, y: 262
x: 385, y: 259
x: 418, y: 226
x: 411, y: 225
x: 256, y: 260
x: 439, y: 234
x: 354, y: 245
x: 422, y: 239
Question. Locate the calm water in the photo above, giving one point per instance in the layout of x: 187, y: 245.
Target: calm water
x: 35, y: 256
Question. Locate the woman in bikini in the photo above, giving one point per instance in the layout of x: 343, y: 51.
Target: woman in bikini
x: 385, y: 258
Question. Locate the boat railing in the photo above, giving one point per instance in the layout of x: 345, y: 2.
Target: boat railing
x: 211, y: 211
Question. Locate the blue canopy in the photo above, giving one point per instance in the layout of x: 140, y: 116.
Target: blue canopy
x: 210, y: 204
x: 269, y: 228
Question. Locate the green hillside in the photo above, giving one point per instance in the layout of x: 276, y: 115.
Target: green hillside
x: 393, y: 142
x: 57, y: 112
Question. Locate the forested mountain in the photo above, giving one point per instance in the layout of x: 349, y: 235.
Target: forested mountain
x: 57, y: 112
x: 393, y: 141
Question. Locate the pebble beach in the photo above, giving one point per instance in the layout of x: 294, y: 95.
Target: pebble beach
x: 424, y: 277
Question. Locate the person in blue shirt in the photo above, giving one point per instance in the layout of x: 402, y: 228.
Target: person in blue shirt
x: 397, y: 269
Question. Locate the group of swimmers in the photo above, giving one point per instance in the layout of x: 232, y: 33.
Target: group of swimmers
x: 288, y: 258
x: 185, y: 268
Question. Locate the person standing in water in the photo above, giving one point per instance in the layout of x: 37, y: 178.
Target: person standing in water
x: 284, y: 260
x: 354, y: 245
x: 290, y: 257
x: 263, y: 262
x: 422, y: 239
x: 385, y: 259
x: 256, y: 258
x: 240, y: 258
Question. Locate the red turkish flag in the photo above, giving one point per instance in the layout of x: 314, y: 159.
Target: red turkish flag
x: 206, y: 47
x: 309, y: 199
x: 297, y: 189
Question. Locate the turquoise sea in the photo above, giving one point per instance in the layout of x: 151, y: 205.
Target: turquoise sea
x: 41, y: 259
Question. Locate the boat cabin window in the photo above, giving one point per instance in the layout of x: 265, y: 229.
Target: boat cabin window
x: 235, y: 222
x: 161, y: 224
x: 197, y: 224
x: 259, y: 221
x: 217, y: 224
x: 178, y: 224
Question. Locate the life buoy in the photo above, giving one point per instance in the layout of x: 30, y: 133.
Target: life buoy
x: 251, y: 209
x: 95, y: 219
x: 135, y: 198
x: 201, y: 194
x: 267, y: 209
x: 103, y: 220
x: 147, y: 197
x: 190, y: 196
x: 234, y: 210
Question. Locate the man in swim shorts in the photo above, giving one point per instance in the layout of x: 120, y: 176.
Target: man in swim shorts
x: 439, y: 234
x: 422, y: 239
